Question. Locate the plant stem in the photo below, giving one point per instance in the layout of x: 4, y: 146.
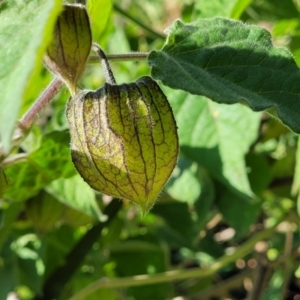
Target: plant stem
x: 132, y: 56
x: 30, y: 116
x: 14, y: 159
x: 133, y: 19
x: 176, y: 274
x: 109, y: 76
x: 220, y: 289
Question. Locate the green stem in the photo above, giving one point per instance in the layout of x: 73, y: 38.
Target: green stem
x: 30, y: 116
x: 132, y: 56
x: 168, y: 276
x: 11, y: 160
x: 142, y: 25
x: 109, y: 76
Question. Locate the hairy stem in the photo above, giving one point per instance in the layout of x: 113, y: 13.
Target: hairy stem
x: 109, y: 76
x: 29, y: 118
x: 25, y: 124
x: 132, y: 56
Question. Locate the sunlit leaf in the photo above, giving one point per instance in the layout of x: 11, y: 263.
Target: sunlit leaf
x: 49, y: 162
x: 208, y: 135
x: 99, y: 13
x: 75, y: 193
x: 30, y: 23
x: 230, y: 62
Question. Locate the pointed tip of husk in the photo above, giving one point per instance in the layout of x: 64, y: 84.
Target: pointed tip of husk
x: 145, y: 208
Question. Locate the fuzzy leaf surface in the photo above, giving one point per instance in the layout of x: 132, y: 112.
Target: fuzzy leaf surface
x: 230, y: 62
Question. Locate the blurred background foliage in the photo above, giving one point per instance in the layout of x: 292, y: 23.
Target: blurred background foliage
x: 54, y: 240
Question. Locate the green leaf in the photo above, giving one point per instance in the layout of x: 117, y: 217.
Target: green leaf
x: 30, y: 252
x: 239, y: 8
x: 230, y: 62
x: 272, y: 10
x: 259, y: 172
x: 208, y: 135
x: 30, y: 24
x: 50, y: 161
x: 141, y: 255
x: 8, y: 217
x: 75, y: 193
x: 239, y: 214
x: 274, y: 289
x: 208, y: 9
x: 184, y: 184
x: 296, y: 182
x: 3, y: 183
x: 207, y: 197
x: 9, y: 271
x: 191, y: 184
x: 44, y: 212
x: 99, y: 13
x: 179, y: 226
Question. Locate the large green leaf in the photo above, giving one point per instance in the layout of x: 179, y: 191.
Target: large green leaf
x: 76, y: 193
x: 191, y: 184
x: 50, y: 161
x: 230, y: 62
x: 237, y: 213
x: 30, y: 24
x: 208, y: 135
x: 179, y: 228
x: 184, y: 184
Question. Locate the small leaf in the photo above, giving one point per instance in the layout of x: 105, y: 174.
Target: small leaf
x: 30, y: 23
x: 71, y: 45
x: 74, y: 192
x: 230, y: 62
x: 124, y: 140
